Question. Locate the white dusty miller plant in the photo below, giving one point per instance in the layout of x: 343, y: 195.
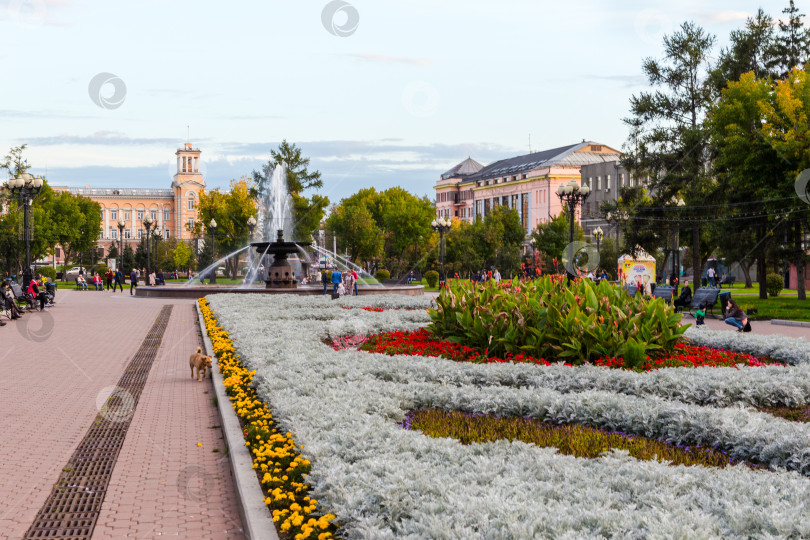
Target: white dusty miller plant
x: 383, y: 481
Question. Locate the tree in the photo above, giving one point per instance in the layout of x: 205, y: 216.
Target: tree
x: 750, y: 50
x: 183, y: 255
x: 405, y: 220
x: 668, y: 143
x: 14, y: 163
x: 128, y: 258
x: 791, y: 45
x: 357, y: 231
x: 308, y: 213
x: 503, y: 235
x: 113, y: 252
x: 552, y: 237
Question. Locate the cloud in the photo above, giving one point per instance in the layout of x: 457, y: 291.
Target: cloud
x: 722, y: 17
x: 103, y: 138
x: 386, y: 59
x: 43, y: 114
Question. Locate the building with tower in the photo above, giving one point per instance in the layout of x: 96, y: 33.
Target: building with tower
x: 170, y: 209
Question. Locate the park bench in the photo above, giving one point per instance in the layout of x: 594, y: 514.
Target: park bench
x: 707, y: 296
x: 665, y: 292
x: 729, y: 280
x: 22, y: 298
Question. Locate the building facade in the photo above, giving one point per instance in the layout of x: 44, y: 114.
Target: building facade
x: 605, y: 180
x: 526, y: 183
x: 170, y: 209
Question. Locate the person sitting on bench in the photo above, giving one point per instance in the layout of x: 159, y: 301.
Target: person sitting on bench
x: 685, y: 299
x: 8, y: 300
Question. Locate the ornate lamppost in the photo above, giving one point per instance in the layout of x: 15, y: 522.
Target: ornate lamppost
x: 26, y: 187
x: 598, y: 234
x: 442, y: 226
x: 213, y: 227
x: 572, y: 195
x: 155, y: 237
x: 251, y: 224
x: 121, y: 225
x: 147, y: 224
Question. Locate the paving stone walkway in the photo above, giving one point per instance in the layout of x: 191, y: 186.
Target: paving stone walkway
x: 58, y: 369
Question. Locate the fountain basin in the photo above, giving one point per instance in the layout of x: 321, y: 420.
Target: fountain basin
x: 168, y: 291
x: 280, y: 274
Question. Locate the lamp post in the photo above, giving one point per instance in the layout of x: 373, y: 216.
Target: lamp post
x: 147, y: 224
x: 572, y: 195
x: 155, y: 237
x: 213, y: 226
x: 251, y: 223
x: 26, y: 187
x: 441, y: 226
x: 598, y: 233
x: 121, y: 225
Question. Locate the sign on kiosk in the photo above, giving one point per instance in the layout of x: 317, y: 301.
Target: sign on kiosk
x: 631, y: 269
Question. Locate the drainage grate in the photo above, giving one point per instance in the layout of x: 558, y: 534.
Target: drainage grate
x: 73, y: 506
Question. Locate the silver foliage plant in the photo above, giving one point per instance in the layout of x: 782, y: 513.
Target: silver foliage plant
x: 385, y: 482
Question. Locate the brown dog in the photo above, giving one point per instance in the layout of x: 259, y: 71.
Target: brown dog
x: 201, y: 362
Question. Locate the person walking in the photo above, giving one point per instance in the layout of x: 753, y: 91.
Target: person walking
x: 355, y: 277
x: 710, y: 274
x: 349, y: 282
x: 324, y: 280
x: 133, y: 280
x: 337, y: 278
x: 496, y: 276
x: 119, y: 280
x: 109, y: 278
x: 735, y: 316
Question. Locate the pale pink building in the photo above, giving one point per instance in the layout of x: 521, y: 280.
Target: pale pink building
x: 526, y: 183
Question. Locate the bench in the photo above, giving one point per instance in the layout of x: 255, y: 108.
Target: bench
x: 729, y: 280
x: 664, y: 292
x: 27, y: 300
x: 706, y: 296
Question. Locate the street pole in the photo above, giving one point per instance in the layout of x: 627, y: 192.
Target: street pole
x: 213, y: 226
x: 27, y: 273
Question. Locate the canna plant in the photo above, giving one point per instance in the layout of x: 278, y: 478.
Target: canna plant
x: 546, y: 318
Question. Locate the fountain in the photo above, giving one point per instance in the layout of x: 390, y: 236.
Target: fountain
x: 280, y: 274
x: 276, y: 223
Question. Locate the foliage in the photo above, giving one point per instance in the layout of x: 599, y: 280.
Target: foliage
x: 750, y: 50
x: 432, y: 278
x: 358, y: 232
x: 569, y: 439
x: 307, y: 213
x: 182, y: 255
x: 775, y: 284
x: 551, y: 237
x: 791, y: 45
x: 382, y: 275
x: 112, y: 253
x: 128, y: 259
x: 48, y: 272
x: 546, y: 319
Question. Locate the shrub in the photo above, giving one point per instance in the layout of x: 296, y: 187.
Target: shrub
x: 432, y: 278
x: 101, y: 269
x: 382, y: 275
x: 48, y: 272
x: 774, y: 283
x: 545, y: 318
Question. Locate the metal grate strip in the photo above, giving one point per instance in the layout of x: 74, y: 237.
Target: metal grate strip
x: 72, y: 508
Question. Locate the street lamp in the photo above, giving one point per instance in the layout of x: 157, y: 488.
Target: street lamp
x: 251, y: 223
x: 598, y: 233
x: 26, y: 187
x: 441, y: 226
x: 121, y: 225
x: 213, y: 226
x: 147, y: 224
x: 155, y: 237
x: 572, y: 195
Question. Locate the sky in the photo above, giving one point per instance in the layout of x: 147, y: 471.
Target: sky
x: 376, y: 93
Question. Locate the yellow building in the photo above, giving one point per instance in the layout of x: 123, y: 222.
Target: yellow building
x: 170, y: 209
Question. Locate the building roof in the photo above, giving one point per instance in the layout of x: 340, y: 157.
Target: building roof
x: 562, y: 156
x: 465, y: 168
x: 135, y: 193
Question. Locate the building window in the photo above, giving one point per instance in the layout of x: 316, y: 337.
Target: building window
x: 113, y: 233
x: 607, y: 182
x: 590, y: 182
x: 190, y: 203
x: 598, y: 183
x: 621, y: 180
x: 191, y: 223
x: 127, y: 215
x: 114, y: 215
x: 166, y: 233
x: 127, y: 234
x: 524, y: 211
x: 140, y: 234
x: 166, y: 215
x: 153, y: 214
x: 140, y: 216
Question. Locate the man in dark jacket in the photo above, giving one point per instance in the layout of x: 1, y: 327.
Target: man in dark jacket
x: 685, y: 299
x: 324, y: 280
x: 119, y: 280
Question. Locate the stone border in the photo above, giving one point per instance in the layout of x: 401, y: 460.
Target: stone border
x: 790, y: 323
x: 256, y: 517
x: 201, y: 292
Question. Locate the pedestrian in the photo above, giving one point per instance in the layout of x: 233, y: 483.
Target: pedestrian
x: 152, y: 278
x: 710, y: 274
x: 337, y: 278
x: 685, y: 299
x: 735, y: 316
x: 496, y: 276
x: 324, y: 280
x: 109, y: 278
x: 119, y: 280
x: 355, y: 278
x: 133, y: 280
x: 341, y: 289
x: 348, y: 282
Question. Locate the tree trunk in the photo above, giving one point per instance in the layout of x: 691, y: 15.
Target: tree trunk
x: 762, y: 266
x: 800, y: 261
x: 696, y: 266
x: 746, y: 270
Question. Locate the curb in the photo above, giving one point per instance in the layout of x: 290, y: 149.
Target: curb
x: 790, y: 323
x: 256, y: 517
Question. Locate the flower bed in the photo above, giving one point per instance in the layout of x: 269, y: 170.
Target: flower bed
x: 424, y: 343
x: 274, y: 454
x: 779, y: 348
x: 385, y: 482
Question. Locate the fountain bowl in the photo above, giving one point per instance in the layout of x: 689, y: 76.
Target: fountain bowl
x: 280, y: 274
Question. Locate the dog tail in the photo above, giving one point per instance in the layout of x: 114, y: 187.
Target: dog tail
x: 199, y: 350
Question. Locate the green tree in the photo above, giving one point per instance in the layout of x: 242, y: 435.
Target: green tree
x: 308, y: 212
x: 128, y: 259
x: 357, y: 232
x: 183, y: 255
x: 791, y: 45
x: 552, y: 237
x: 668, y: 143
x: 750, y: 49
x: 501, y: 241
x: 405, y: 220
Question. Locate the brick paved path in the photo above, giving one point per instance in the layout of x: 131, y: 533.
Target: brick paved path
x: 57, y: 370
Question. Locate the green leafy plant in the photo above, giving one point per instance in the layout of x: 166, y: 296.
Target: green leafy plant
x: 774, y: 283
x: 545, y: 318
x: 47, y: 272
x: 432, y: 278
x: 382, y: 275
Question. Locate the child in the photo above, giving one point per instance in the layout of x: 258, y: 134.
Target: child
x: 341, y: 289
x: 700, y: 315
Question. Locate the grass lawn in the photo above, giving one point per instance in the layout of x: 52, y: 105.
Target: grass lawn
x: 781, y: 307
